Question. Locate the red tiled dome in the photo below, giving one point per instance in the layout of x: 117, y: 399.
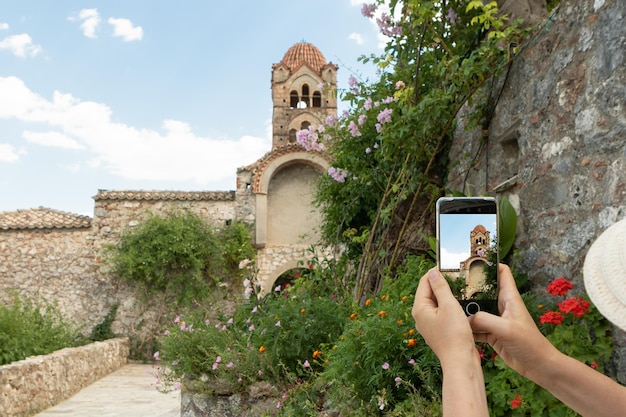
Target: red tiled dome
x: 301, y: 53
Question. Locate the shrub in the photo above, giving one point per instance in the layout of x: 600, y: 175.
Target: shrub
x: 30, y: 327
x: 380, y: 361
x: 181, y: 255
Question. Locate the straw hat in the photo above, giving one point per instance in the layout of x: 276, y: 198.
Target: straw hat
x: 605, y: 274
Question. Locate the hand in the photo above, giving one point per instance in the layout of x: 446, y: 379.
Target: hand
x: 514, y: 335
x: 441, y: 321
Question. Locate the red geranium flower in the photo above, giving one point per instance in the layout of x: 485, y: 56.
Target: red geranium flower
x: 516, y: 402
x: 551, y: 317
x: 575, y: 305
x: 560, y: 286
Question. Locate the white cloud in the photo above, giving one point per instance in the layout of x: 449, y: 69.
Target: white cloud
x: 4, y: 26
x: 175, y: 153
x: 8, y: 153
x: 357, y: 37
x: 53, y: 139
x: 20, y: 45
x: 451, y: 260
x: 90, y: 21
x: 124, y: 28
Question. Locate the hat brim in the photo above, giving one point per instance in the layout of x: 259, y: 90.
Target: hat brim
x: 604, y: 274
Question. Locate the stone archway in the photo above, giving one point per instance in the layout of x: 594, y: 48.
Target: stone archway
x: 286, y: 222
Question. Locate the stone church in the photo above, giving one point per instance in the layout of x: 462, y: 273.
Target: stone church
x: 58, y: 254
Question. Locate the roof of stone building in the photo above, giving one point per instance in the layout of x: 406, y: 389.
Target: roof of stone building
x: 42, y: 218
x: 304, y: 53
x: 165, y: 195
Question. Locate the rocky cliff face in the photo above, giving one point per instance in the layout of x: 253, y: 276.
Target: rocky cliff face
x: 556, y: 141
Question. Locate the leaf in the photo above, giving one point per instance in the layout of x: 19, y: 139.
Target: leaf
x: 508, y: 227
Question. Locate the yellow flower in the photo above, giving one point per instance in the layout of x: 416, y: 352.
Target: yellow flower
x: 262, y: 349
x: 411, y: 332
x: 368, y: 302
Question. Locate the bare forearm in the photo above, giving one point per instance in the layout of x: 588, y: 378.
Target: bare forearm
x: 583, y: 389
x: 464, y: 389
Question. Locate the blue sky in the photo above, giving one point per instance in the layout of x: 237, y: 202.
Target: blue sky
x: 454, y: 232
x: 148, y: 94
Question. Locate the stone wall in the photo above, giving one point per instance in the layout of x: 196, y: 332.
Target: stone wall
x: 556, y: 142
x: 40, y: 382
x: 57, y: 265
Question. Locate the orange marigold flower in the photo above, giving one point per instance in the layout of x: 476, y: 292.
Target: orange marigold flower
x: 382, y: 313
x: 404, y: 298
x: 317, y: 354
x: 411, y: 332
x: 353, y: 316
x: 411, y: 342
x: 262, y: 349
x: 303, y: 311
x: 384, y: 297
x: 368, y: 302
x: 541, y: 306
x: 399, y: 321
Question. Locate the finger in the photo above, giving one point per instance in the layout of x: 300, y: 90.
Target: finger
x: 440, y: 287
x: 424, y: 293
x: 483, y: 324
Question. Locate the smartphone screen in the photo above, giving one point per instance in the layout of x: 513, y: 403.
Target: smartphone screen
x: 467, y: 250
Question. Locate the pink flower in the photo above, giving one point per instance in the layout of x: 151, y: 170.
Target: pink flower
x: 385, y: 366
x: 156, y: 356
x: 306, y: 364
x: 368, y: 10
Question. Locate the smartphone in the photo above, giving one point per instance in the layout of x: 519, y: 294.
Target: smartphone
x: 467, y: 250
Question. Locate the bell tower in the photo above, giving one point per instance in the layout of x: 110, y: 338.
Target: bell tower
x: 479, y: 240
x: 304, y: 92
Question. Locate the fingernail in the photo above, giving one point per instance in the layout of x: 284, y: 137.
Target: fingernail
x: 433, y: 274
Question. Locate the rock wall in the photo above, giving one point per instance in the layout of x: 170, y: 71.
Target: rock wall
x: 556, y: 142
x: 40, y: 382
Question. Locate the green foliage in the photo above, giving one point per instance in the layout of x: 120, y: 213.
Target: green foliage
x: 293, y: 324
x: 585, y: 338
x: 102, y: 330
x: 180, y: 254
x: 390, y: 151
x: 508, y: 227
x: 30, y: 327
x: 380, y: 362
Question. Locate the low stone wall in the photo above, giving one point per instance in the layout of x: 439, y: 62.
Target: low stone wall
x: 39, y: 382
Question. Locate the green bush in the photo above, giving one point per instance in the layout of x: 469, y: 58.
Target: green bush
x: 380, y: 361
x: 30, y: 327
x: 293, y: 324
x: 180, y: 254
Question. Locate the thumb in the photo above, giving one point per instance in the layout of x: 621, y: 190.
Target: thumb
x: 441, y: 288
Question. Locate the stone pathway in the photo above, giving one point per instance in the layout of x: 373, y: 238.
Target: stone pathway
x: 127, y: 392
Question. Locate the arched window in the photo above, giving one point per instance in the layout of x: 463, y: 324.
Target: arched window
x: 292, y: 136
x: 306, y: 95
x: 293, y: 99
x: 305, y: 125
x: 317, y: 99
